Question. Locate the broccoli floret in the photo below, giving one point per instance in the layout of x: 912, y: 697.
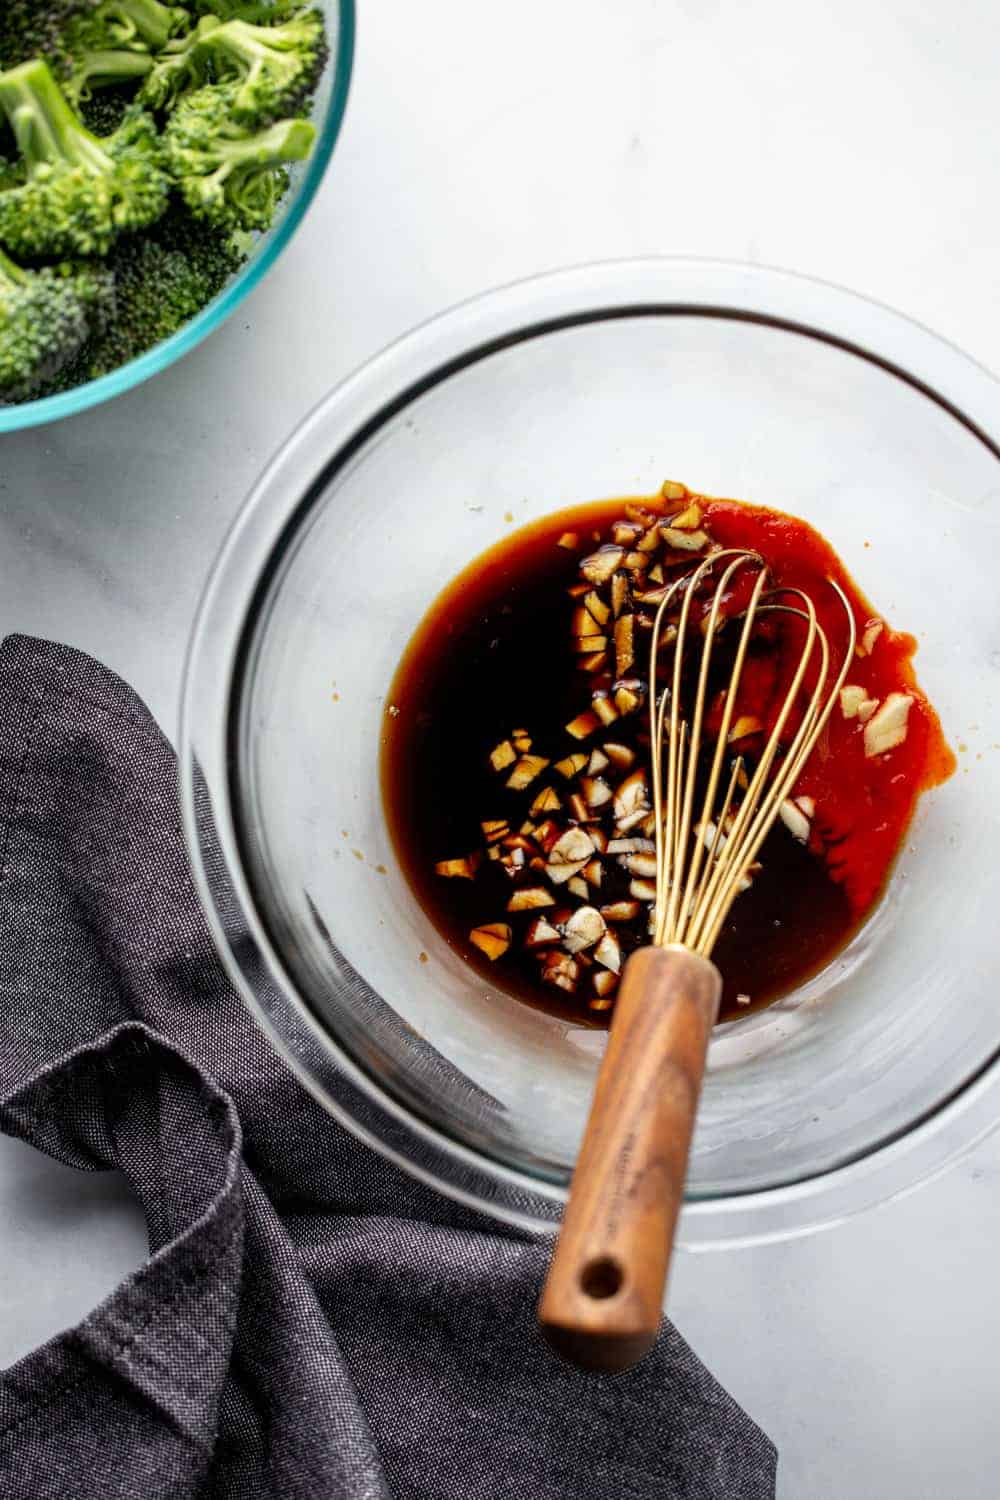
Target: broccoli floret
x: 228, y: 175
x: 130, y: 25
x: 180, y: 67
x: 162, y: 280
x: 114, y: 42
x: 80, y: 191
x: 273, y: 69
x: 104, y: 70
x: 45, y: 28
x: 45, y: 318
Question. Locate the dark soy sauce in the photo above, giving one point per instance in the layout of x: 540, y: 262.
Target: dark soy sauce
x: 494, y: 653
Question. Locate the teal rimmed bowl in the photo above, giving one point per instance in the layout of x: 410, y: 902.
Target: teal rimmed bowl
x: 328, y: 114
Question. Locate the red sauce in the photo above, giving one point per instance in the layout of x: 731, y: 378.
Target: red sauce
x: 494, y: 652
x: 863, y: 804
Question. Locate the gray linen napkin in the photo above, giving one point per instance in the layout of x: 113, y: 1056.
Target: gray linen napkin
x: 311, y: 1324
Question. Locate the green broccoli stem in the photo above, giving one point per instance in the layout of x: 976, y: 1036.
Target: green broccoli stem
x: 153, y: 23
x: 11, y: 274
x: 105, y: 69
x: 251, y: 47
x: 288, y: 140
x: 46, y: 129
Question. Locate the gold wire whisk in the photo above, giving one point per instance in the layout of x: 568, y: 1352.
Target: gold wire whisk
x: 701, y: 865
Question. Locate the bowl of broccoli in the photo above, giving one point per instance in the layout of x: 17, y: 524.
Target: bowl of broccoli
x: 155, y: 159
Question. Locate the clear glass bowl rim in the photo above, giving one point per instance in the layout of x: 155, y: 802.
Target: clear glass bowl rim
x: 273, y: 511
x: 95, y: 392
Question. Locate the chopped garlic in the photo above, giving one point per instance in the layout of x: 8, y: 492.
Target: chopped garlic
x: 591, y: 644
x: 604, y: 710
x: 546, y: 801
x: 595, y: 790
x: 599, y: 566
x: 887, y: 728
x: 597, y: 607
x: 577, y: 806
x: 562, y: 971
x: 530, y: 898
x: 574, y: 845
x: 706, y: 834
x: 621, y: 911
x: 619, y: 594
x: 795, y: 821
x: 687, y: 520
x: 684, y: 541
x: 746, y: 724
x: 585, y: 928
x: 461, y: 869
x: 631, y: 801
x: 871, y: 633
x: 568, y: 856
x: 583, y: 725
x: 493, y: 939
x: 525, y: 771
x: 628, y: 695
x: 572, y: 765
x: 584, y: 625
x: 595, y: 661
x: 624, y: 644
x: 540, y: 933
x: 503, y: 755
x: 851, y: 699
x: 608, y: 953
x: 866, y: 709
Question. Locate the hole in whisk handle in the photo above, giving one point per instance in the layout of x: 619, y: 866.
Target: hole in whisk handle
x: 601, y: 1278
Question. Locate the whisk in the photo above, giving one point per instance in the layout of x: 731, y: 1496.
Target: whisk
x: 603, y: 1297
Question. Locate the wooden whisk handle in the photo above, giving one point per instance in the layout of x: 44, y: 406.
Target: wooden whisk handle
x: 603, y: 1297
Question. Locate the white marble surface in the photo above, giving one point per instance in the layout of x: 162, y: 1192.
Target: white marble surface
x: 851, y: 141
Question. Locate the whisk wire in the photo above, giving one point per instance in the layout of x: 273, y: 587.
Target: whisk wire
x: 672, y: 821
x: 722, y: 738
x: 700, y: 870
x: 791, y: 770
x: 760, y: 805
x: 719, y: 839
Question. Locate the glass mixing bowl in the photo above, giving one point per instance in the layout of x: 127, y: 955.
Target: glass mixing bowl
x: 591, y: 383
x: 327, y: 115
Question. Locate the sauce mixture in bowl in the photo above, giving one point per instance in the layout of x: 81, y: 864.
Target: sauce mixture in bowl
x: 516, y: 752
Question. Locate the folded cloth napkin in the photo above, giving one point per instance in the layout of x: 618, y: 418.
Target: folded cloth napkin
x: 311, y: 1324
